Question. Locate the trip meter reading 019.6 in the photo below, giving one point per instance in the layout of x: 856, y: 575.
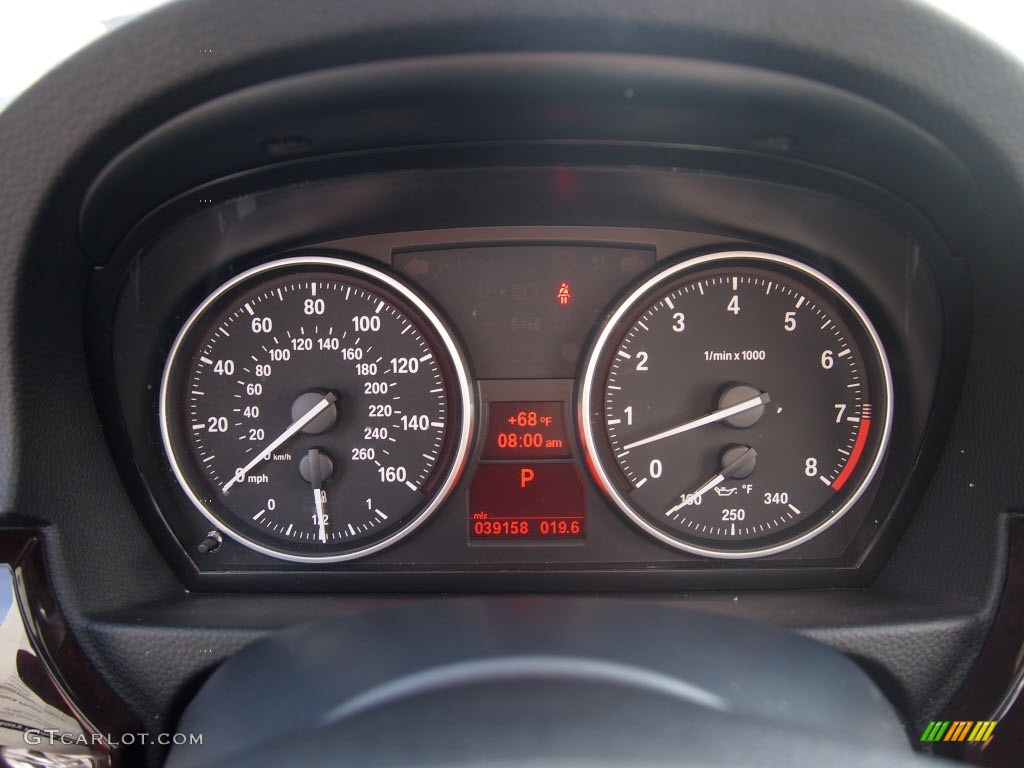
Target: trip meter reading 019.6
x: 736, y: 404
x: 315, y: 409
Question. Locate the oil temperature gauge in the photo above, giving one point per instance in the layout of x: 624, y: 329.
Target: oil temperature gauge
x: 736, y: 404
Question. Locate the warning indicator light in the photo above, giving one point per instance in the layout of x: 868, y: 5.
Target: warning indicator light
x: 563, y: 294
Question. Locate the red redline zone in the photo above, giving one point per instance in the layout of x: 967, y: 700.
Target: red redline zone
x: 858, y: 449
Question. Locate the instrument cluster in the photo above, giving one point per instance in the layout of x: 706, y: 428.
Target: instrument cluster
x: 614, y: 405
x: 318, y: 409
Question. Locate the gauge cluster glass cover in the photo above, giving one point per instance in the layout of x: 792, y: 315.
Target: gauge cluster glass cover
x: 733, y: 405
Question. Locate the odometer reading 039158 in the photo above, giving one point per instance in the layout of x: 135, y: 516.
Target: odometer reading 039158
x: 736, y: 404
x: 315, y: 409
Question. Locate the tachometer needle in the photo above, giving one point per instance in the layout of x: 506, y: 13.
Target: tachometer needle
x: 298, y: 424
x: 742, y: 465
x: 711, y: 418
x: 317, y: 481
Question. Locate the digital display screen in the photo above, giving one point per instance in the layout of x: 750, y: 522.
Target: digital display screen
x: 527, y: 431
x: 526, y: 501
x: 540, y: 300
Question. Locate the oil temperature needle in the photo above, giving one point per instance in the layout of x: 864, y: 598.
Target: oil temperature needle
x: 737, y: 467
x: 711, y: 418
x: 317, y: 480
x: 298, y: 424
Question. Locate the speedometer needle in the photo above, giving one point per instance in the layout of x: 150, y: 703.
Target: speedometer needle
x: 298, y: 424
x: 711, y: 418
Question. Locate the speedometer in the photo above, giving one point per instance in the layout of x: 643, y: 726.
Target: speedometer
x: 736, y: 404
x: 315, y: 409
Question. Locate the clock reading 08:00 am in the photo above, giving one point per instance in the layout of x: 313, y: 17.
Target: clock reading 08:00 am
x: 315, y: 409
x: 736, y: 404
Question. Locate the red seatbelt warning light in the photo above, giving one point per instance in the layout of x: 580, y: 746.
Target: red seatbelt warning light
x: 563, y: 294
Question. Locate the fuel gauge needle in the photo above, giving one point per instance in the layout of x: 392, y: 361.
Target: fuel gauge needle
x: 317, y: 481
x: 741, y: 466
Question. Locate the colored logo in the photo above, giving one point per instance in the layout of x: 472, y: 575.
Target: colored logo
x: 959, y: 730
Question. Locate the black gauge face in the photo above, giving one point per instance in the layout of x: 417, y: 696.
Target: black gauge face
x: 736, y: 404
x: 315, y: 409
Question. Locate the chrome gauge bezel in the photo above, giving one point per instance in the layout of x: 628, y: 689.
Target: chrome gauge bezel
x: 597, y: 351
x: 461, y: 386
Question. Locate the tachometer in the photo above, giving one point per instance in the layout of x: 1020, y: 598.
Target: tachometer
x: 315, y: 409
x: 736, y: 404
